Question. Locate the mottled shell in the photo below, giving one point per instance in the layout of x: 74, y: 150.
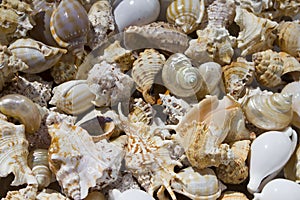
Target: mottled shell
x: 232, y: 195
x: 37, y: 55
x: 78, y: 162
x: 141, y: 112
x: 23, y: 109
x: 221, y: 13
x: 63, y: 72
x: 269, y: 111
x: 288, y: 39
x: 200, y: 184
x: 181, y: 78
x: 257, y: 34
x: 186, y: 13
x: 72, y: 97
x: 69, y: 25
x: 145, y: 68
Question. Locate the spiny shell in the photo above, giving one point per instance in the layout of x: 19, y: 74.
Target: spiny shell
x: 236, y: 76
x: 269, y: 111
x: 257, y: 34
x: 37, y: 55
x: 232, y: 195
x: 186, y: 13
x: 49, y: 194
x: 78, y: 162
x: 181, y: 78
x: 23, y: 109
x: 157, y: 35
x: 198, y: 184
x: 145, y: 68
x: 221, y: 13
x: 72, y: 97
x: 69, y: 25
x: 288, y: 39
x: 141, y: 112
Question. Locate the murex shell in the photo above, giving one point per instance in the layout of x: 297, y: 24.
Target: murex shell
x: 186, y: 13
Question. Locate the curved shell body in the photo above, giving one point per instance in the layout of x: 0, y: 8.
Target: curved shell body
x: 269, y: 111
x: 145, y: 68
x: 186, y: 13
x: 69, y: 25
x: 180, y: 77
x: 38, y: 56
x: 232, y: 195
x: 141, y: 112
x: 72, y: 97
x: 49, y: 194
x: 23, y: 109
x: 221, y: 13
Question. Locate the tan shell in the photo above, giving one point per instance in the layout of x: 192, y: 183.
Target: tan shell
x: 221, y: 13
x: 49, y: 194
x: 149, y: 63
x: 255, y: 6
x: 292, y: 168
x: 141, y: 112
x: 236, y: 76
x: 257, y: 34
x: 232, y: 195
x: 29, y: 193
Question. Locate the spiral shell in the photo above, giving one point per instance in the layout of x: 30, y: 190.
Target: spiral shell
x: 69, y: 25
x: 180, y: 77
x: 269, y: 111
x: 186, y: 13
x: 23, y: 109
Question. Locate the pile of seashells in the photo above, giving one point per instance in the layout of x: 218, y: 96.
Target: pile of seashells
x: 149, y: 99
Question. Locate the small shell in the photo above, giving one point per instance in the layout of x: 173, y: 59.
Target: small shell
x: 221, y: 13
x: 149, y: 63
x: 291, y: 67
x: 186, y: 14
x: 292, y: 168
x: 181, y: 78
x: 69, y: 25
x: 288, y: 39
x: 232, y: 195
x: 72, y: 97
x: 269, y: 111
x: 236, y: 76
x: 130, y: 194
x: 23, y: 109
x: 141, y: 112
x: 257, y: 34
x: 49, y: 194
x: 29, y: 192
x: 38, y: 56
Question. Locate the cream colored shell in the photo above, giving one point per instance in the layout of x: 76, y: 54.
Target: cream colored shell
x: 232, y: 195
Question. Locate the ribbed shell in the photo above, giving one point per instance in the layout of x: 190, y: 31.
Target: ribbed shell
x: 186, y: 13
x: 141, y: 112
x: 69, y: 25
x: 221, y: 13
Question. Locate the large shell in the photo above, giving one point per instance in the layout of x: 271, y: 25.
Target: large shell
x: 72, y: 97
x: 69, y: 25
x: 186, y: 13
x: 269, y: 111
x: 37, y: 55
x: 198, y: 184
x: 236, y: 76
x: 181, y: 78
x: 145, y: 68
x: 78, y: 162
x: 257, y: 34
x: 288, y: 39
x: 232, y: 195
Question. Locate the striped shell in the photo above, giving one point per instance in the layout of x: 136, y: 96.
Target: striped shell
x: 149, y: 63
x: 141, y: 112
x: 292, y: 168
x: 37, y: 55
x: 186, y: 13
x: 69, y: 25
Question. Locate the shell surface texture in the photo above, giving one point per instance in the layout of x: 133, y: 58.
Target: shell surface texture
x: 221, y: 13
x: 186, y: 13
x: 141, y: 112
x: 69, y: 25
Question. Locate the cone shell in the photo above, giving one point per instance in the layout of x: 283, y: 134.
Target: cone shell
x: 186, y: 13
x: 269, y: 111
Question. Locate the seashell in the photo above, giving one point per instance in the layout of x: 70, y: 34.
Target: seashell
x: 186, y: 14
x: 38, y: 162
x: 291, y: 67
x: 72, y: 97
x: 288, y: 40
x: 145, y: 68
x: 13, y: 154
x: 114, y: 53
x: 73, y: 36
x: 29, y: 192
x: 108, y: 83
x: 95, y: 195
x: 10, y: 64
x: 157, y: 35
x: 286, y: 8
x: 292, y: 168
x: 23, y: 109
x: 236, y: 76
x: 257, y: 34
x: 200, y: 184
x: 141, y: 13
x: 38, y: 56
x: 255, y: 6
x: 130, y: 194
x: 278, y: 189
x: 269, y: 111
x: 141, y: 112
x: 232, y: 195
x: 266, y: 159
x: 8, y: 21
x: 220, y: 13
x: 181, y: 78
x: 17, y: 5
x: 81, y: 163
x: 49, y: 194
